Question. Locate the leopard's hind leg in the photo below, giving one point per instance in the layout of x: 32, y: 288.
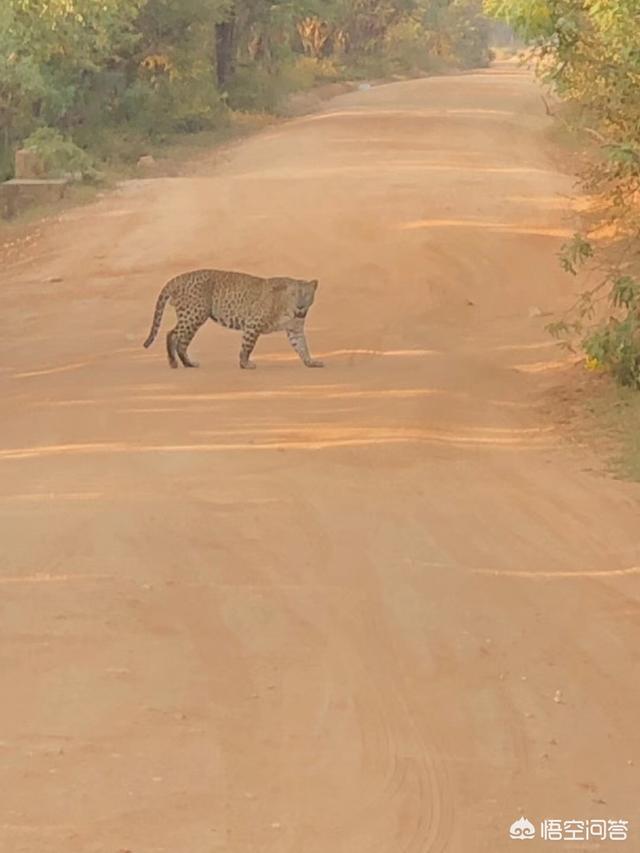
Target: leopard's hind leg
x: 178, y: 339
x: 250, y: 336
x: 171, y: 348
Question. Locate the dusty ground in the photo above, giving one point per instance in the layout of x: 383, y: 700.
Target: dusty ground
x: 295, y: 611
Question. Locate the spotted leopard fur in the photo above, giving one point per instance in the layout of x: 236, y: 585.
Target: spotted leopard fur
x: 255, y: 306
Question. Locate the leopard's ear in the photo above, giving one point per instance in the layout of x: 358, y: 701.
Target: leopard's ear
x: 314, y: 283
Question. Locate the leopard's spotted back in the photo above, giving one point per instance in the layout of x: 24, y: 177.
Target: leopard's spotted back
x: 238, y: 301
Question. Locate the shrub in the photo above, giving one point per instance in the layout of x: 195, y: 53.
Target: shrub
x: 60, y: 156
x: 172, y: 104
x: 256, y: 88
x: 407, y: 47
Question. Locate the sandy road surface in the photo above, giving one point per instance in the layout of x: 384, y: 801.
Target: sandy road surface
x: 297, y: 611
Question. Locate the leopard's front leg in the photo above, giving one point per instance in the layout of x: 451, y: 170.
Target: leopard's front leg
x: 298, y: 341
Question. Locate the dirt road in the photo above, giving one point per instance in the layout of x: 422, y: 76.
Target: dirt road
x: 376, y: 608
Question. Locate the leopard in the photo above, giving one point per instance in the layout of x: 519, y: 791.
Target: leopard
x: 236, y: 300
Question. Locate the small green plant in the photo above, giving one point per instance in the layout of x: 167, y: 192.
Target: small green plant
x: 575, y: 253
x: 616, y: 348
x: 609, y: 338
x: 60, y: 156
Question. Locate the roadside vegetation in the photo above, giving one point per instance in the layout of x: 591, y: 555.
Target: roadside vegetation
x: 88, y: 85
x: 588, y: 53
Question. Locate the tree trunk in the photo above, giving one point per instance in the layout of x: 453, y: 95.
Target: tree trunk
x: 225, y: 51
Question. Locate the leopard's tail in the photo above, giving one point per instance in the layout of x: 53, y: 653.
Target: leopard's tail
x: 163, y: 298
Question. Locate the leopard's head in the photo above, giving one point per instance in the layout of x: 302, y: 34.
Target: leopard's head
x: 305, y: 293
x: 298, y: 295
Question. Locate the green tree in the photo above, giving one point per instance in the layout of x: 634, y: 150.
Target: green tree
x: 589, y: 51
x: 21, y: 85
